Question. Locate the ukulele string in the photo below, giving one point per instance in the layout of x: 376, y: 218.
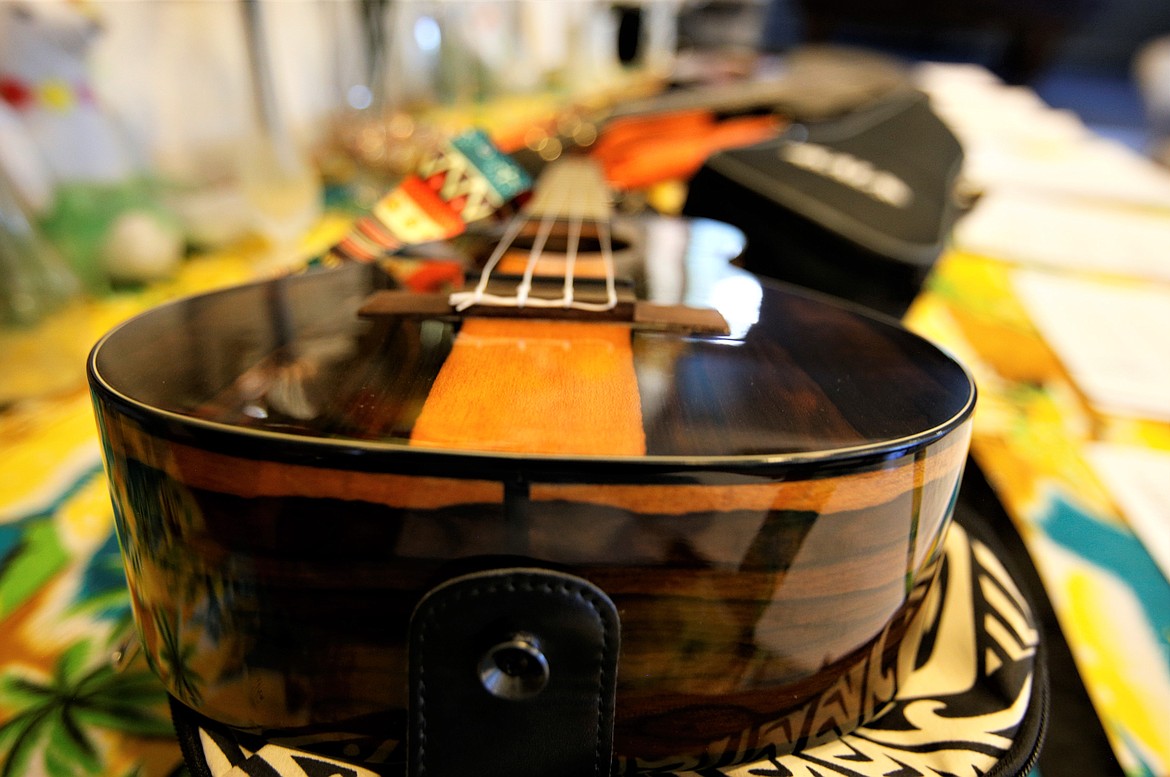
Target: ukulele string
x: 460, y: 301
x: 547, y: 221
x: 575, y: 208
x: 606, y: 238
x: 571, y: 247
x: 576, y: 222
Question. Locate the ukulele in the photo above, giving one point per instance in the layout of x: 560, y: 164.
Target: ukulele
x: 753, y: 480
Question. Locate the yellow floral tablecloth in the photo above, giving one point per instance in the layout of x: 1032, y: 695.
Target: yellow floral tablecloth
x: 1032, y: 429
x: 73, y: 700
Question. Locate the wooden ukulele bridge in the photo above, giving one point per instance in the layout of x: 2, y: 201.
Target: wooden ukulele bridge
x: 542, y: 303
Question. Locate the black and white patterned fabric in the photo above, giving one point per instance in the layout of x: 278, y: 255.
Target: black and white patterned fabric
x: 974, y: 704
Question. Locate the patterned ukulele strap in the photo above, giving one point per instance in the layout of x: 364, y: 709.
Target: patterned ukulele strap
x: 466, y: 180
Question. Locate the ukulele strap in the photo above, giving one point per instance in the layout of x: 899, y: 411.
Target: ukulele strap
x: 513, y: 672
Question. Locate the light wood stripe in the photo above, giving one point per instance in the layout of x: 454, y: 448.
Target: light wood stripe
x: 257, y: 478
x: 820, y: 495
x: 251, y: 478
x: 542, y: 387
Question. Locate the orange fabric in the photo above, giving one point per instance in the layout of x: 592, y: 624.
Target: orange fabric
x: 639, y: 154
x: 528, y: 386
x: 622, y: 133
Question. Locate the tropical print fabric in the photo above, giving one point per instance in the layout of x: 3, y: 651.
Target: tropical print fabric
x: 1031, y: 435
x: 68, y: 706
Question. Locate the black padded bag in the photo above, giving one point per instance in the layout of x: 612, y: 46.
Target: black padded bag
x: 858, y: 206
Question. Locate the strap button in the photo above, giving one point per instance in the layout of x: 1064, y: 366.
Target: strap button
x: 515, y: 669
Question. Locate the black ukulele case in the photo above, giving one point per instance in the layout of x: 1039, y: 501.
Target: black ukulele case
x: 857, y: 206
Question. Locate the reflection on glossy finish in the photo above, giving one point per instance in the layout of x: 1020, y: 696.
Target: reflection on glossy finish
x: 734, y: 293
x: 291, y: 357
x: 767, y: 547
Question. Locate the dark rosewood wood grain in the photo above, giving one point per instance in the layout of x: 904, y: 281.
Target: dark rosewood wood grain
x: 767, y: 548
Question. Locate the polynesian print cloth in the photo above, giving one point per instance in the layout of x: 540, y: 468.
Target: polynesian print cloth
x: 66, y: 706
x: 973, y: 703
x: 1032, y: 437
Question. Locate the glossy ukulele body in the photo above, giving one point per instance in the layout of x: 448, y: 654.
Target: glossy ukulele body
x: 764, y: 507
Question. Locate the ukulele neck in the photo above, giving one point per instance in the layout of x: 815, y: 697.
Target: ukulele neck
x: 555, y: 260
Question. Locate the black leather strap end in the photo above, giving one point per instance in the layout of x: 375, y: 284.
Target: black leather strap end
x: 513, y: 672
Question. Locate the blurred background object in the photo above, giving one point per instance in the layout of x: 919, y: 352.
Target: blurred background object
x: 1078, y: 55
x: 223, y: 103
x: 40, y: 350
x: 91, y: 199
x: 280, y: 184
x: 358, y: 88
x: 433, y: 66
x: 1152, y: 73
x: 138, y: 131
x: 36, y: 280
